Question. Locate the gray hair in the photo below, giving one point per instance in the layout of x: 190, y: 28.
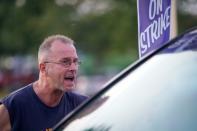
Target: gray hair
x: 47, y: 43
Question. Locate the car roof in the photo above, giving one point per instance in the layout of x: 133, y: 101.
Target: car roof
x: 188, y: 41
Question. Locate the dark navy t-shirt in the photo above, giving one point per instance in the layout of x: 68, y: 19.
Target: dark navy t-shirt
x: 28, y: 113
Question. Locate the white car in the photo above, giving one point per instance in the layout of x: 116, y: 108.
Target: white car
x: 157, y: 93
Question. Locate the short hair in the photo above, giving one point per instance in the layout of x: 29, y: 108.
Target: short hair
x: 47, y: 43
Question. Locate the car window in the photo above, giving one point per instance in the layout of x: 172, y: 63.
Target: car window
x: 160, y: 95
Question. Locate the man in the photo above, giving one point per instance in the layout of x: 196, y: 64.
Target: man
x: 40, y: 105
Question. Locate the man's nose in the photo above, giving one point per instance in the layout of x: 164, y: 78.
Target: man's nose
x: 73, y: 66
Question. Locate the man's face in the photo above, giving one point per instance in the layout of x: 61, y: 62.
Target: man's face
x: 62, y: 66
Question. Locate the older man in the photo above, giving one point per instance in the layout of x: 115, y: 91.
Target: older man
x: 40, y: 105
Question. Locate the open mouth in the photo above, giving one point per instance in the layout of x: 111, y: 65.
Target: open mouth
x: 69, y: 78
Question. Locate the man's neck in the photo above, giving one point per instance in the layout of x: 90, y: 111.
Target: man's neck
x: 46, y: 94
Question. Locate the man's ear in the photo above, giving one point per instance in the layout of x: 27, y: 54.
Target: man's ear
x: 42, y: 67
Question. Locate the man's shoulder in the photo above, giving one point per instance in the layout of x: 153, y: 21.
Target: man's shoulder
x: 18, y: 95
x: 75, y: 98
x: 74, y: 95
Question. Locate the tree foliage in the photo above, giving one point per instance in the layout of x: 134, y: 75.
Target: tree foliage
x: 104, y: 37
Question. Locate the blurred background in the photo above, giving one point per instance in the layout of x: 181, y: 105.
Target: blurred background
x: 105, y: 32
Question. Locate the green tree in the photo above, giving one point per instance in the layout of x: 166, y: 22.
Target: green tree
x: 106, y: 39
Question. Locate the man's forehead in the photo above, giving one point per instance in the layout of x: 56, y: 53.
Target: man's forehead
x: 63, y: 50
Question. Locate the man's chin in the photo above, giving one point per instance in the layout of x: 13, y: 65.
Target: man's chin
x: 69, y: 87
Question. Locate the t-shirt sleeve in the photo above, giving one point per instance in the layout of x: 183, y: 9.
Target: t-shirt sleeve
x: 10, y: 103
